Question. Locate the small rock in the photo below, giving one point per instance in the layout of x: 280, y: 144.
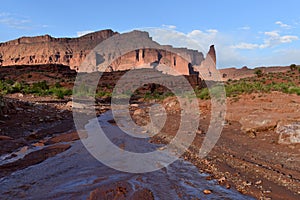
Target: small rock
x: 228, y: 186
x: 69, y: 104
x: 19, y: 109
x: 258, y: 182
x: 139, y: 112
x: 221, y: 180
x: 207, y: 191
x: 23, y: 149
x: 38, y: 144
x: 267, y: 191
x: 251, y: 134
x: 289, y: 132
x: 134, y: 105
x: 161, y: 148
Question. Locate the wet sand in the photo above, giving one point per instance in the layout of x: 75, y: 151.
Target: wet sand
x: 76, y: 174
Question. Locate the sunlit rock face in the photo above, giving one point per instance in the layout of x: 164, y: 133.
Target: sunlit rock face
x: 49, y: 50
x: 73, y: 51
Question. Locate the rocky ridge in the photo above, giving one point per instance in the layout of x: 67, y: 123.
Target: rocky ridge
x: 72, y: 52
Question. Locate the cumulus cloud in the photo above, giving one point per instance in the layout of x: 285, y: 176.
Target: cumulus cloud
x: 283, y: 25
x: 273, y: 39
x: 229, y: 55
x: 82, y: 33
x: 200, y: 40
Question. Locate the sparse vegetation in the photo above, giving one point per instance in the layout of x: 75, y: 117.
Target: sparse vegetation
x: 203, y: 93
x: 39, y: 88
x: 103, y: 94
x: 258, y: 72
x: 286, y: 83
x: 157, y: 95
x: 293, y: 67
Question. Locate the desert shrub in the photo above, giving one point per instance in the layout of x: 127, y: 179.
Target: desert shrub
x: 294, y: 90
x: 60, y: 92
x: 42, y: 85
x: 258, y: 72
x: 16, y: 87
x: 293, y: 67
x: 83, y: 90
x: 57, y: 85
x: 39, y: 88
x: 5, y: 88
x: 158, y: 95
x: 203, y: 93
x: 103, y: 94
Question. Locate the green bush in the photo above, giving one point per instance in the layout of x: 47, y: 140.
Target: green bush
x: 293, y: 67
x: 258, y: 72
x: 203, y: 93
x: 60, y: 93
x: 294, y: 90
x: 16, y: 87
x: 57, y: 85
x: 103, y: 94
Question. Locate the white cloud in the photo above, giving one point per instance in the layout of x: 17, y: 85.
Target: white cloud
x: 273, y: 39
x: 169, y: 26
x: 200, y: 40
x: 14, y: 21
x: 82, y: 33
x: 283, y: 25
x: 272, y: 33
x: 18, y: 22
x: 244, y: 45
x: 245, y: 28
x: 229, y: 55
x: 213, y: 31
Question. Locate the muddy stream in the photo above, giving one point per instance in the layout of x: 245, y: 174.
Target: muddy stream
x: 74, y: 173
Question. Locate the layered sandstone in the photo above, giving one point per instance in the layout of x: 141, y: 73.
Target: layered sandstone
x: 73, y: 51
x: 153, y: 58
x: 49, y: 50
x: 207, y: 69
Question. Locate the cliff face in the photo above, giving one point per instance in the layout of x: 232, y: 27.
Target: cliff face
x: 152, y: 58
x: 207, y: 69
x: 48, y: 50
x: 73, y: 51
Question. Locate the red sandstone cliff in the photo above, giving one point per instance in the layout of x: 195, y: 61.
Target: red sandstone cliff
x: 49, y: 50
x: 73, y: 51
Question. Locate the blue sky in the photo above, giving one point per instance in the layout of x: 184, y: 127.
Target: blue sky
x: 251, y: 33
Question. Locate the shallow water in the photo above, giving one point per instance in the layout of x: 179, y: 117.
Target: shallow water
x: 74, y: 173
